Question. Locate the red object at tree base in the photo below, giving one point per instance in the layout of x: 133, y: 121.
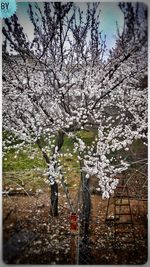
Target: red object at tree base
x: 73, y: 223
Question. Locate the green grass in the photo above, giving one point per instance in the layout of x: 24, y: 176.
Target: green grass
x: 67, y: 145
x: 87, y: 136
x: 25, y: 169
x: 138, y: 146
x: 28, y: 180
x: 22, y: 161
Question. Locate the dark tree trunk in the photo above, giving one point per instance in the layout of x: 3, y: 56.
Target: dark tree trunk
x: 54, y: 200
x: 86, y: 208
x: 54, y: 187
x: 84, y: 249
x: 59, y: 140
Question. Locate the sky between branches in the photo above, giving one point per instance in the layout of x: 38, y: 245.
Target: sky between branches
x: 110, y: 14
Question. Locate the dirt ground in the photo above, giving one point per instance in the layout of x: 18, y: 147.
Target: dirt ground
x: 32, y: 236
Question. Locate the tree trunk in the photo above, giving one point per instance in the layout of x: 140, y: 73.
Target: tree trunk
x: 86, y: 208
x: 54, y: 199
x: 84, y: 249
x: 54, y: 187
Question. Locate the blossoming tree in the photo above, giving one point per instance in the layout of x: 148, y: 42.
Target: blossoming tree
x: 59, y: 83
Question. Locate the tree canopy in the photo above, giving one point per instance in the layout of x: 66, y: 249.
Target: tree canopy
x: 60, y: 83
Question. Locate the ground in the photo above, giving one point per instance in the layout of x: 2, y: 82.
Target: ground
x: 32, y: 236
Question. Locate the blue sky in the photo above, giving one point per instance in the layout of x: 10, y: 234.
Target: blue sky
x: 110, y: 13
